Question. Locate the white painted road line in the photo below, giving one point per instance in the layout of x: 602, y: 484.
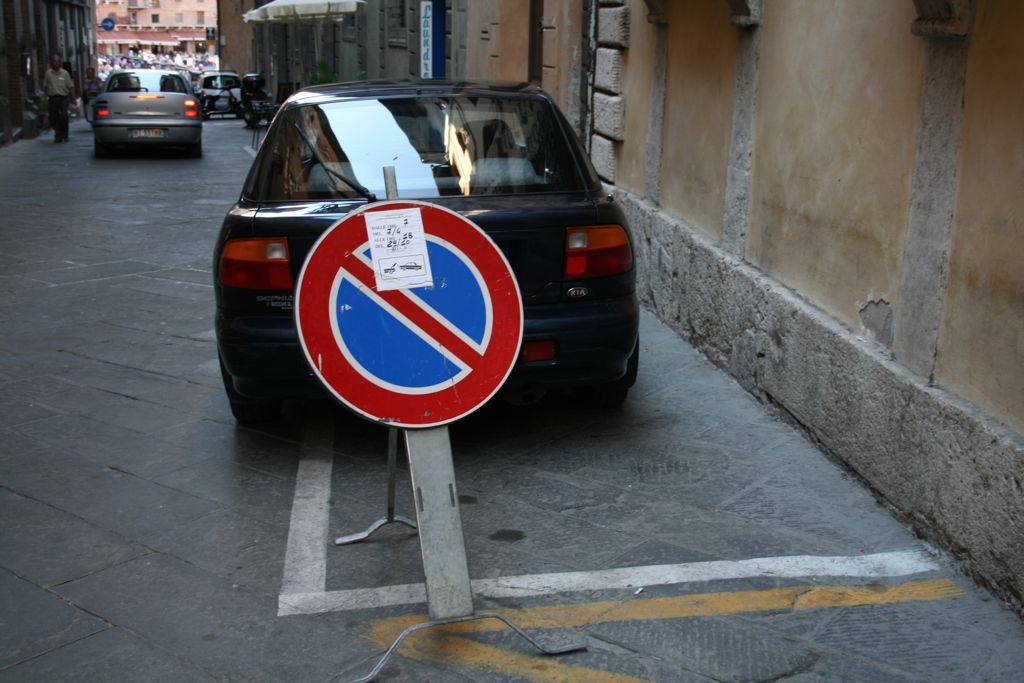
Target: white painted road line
x: 305, y: 562
x: 880, y: 565
x: 305, y: 568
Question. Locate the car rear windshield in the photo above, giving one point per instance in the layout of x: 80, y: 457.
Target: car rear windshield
x: 439, y: 146
x: 222, y: 82
x: 146, y: 81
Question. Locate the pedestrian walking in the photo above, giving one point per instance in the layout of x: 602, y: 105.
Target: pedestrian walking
x: 92, y: 87
x: 59, y: 87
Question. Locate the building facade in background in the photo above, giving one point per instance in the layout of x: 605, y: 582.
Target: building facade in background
x: 31, y: 31
x: 236, y: 40
x: 380, y: 40
x: 157, y: 26
x: 513, y: 40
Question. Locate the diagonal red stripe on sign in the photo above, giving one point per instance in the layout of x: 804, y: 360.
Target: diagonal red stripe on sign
x: 426, y: 322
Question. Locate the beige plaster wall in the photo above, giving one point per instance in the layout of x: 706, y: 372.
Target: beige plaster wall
x: 701, y: 70
x: 837, y: 114
x: 505, y: 55
x: 981, y: 347
x: 638, y: 67
x: 562, y: 54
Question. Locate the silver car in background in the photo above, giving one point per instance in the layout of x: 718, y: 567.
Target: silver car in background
x: 147, y: 107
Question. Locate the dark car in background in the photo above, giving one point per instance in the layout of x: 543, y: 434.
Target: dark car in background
x: 501, y: 155
x: 145, y: 108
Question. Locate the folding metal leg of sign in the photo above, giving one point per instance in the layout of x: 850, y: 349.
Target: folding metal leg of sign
x: 552, y: 649
x: 391, y: 517
x: 449, y: 594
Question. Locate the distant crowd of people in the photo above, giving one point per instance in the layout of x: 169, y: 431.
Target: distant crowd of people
x: 146, y: 59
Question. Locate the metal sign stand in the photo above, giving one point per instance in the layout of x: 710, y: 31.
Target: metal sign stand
x: 442, y: 545
x: 391, y: 517
x: 449, y: 594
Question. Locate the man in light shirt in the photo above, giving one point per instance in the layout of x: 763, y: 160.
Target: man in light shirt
x: 58, y: 86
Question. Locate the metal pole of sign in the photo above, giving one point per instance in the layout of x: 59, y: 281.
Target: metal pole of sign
x: 442, y: 545
x: 437, y: 514
x: 391, y: 187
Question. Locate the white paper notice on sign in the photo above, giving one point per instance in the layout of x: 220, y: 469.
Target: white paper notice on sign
x: 398, y: 249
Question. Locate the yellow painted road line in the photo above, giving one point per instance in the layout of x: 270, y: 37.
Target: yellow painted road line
x: 440, y: 645
x: 447, y: 649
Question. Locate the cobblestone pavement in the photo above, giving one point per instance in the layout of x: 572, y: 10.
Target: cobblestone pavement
x: 689, y: 536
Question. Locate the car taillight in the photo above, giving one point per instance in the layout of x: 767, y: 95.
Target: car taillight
x: 190, y: 103
x: 190, y: 110
x: 102, y: 112
x: 256, y: 263
x: 597, y: 251
x: 191, y: 113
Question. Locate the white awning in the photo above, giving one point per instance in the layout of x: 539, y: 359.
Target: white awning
x: 302, y: 11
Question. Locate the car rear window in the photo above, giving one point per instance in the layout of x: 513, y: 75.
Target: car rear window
x: 222, y: 82
x: 439, y: 146
x: 146, y: 81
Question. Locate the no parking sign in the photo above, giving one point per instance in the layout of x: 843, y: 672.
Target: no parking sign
x: 409, y: 314
x: 412, y: 336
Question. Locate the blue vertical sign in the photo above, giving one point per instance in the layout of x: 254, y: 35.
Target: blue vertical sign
x: 426, y: 38
x: 432, y: 39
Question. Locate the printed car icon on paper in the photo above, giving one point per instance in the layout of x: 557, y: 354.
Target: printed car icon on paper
x: 501, y: 155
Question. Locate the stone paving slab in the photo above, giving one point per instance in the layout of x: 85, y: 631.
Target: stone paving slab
x: 110, y: 655
x: 50, y: 546
x: 37, y: 621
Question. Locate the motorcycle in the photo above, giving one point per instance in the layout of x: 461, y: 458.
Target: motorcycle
x: 256, y: 106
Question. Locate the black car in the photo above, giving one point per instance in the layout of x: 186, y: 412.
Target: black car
x: 502, y: 155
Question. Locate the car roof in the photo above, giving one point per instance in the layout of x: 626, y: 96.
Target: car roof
x: 174, y: 72
x: 219, y: 73
x: 361, y: 89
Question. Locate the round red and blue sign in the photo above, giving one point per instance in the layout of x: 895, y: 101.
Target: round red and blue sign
x: 416, y: 357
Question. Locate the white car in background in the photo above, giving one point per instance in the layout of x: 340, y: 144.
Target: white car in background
x: 147, y: 107
x: 220, y: 92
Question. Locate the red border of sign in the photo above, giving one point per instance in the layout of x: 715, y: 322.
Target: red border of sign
x: 336, y: 248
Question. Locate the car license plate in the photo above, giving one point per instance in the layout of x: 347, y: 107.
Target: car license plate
x: 148, y: 133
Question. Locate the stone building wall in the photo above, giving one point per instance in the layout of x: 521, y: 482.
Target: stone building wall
x: 825, y: 200
x: 236, y: 38
x: 378, y: 41
x: 30, y: 31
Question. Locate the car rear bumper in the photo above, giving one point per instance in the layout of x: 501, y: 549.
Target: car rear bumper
x: 593, y: 344
x: 120, y: 133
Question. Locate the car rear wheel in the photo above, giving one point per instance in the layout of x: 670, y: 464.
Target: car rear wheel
x: 613, y: 394
x: 248, y: 410
x: 195, y: 150
x: 100, y: 150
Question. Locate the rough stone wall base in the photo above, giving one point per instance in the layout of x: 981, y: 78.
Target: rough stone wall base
x: 953, y: 473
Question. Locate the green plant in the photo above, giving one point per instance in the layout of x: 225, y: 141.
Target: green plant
x: 323, y: 74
